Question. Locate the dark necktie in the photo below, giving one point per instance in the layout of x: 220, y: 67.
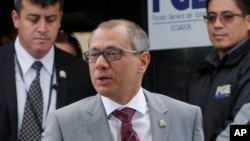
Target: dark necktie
x: 127, y: 132
x: 31, y: 128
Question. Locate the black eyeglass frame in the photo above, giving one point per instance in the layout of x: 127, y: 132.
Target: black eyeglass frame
x: 105, y: 54
x: 225, y: 18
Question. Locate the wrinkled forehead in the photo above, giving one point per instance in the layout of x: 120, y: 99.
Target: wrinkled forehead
x: 108, y: 38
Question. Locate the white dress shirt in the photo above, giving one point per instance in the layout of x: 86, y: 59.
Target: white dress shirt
x: 25, y: 76
x: 140, y: 121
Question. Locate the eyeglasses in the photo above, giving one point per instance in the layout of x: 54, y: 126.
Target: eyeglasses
x: 225, y: 18
x: 110, y: 54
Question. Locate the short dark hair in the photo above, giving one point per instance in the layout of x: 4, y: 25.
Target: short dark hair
x: 243, y: 5
x: 18, y: 3
x: 69, y: 37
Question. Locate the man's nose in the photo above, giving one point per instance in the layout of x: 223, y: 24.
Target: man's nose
x: 42, y: 26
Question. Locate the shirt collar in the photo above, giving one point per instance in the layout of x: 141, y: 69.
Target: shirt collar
x: 213, y: 57
x: 237, y: 46
x: 138, y: 102
x: 26, y: 60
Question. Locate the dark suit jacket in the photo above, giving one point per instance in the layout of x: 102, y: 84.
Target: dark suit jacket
x: 75, y: 86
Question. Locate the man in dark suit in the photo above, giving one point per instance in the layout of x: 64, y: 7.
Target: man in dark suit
x: 63, y: 78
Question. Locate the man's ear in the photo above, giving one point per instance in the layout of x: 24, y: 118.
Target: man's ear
x: 15, y: 18
x: 144, y: 61
x: 61, y: 15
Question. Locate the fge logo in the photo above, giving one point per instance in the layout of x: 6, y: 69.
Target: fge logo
x: 239, y: 132
x: 181, y: 4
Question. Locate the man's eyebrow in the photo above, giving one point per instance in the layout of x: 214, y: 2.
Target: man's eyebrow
x: 32, y: 14
x: 53, y: 15
x: 226, y: 11
x: 210, y: 12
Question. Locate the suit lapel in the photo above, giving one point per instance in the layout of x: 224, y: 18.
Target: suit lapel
x: 158, y: 116
x: 99, y: 120
x: 9, y: 85
x: 158, y: 113
x: 159, y: 130
x: 61, y: 77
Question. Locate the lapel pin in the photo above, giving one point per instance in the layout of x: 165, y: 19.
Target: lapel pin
x: 162, y: 123
x: 62, y: 74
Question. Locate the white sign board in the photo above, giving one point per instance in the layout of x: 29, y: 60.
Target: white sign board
x: 177, y: 24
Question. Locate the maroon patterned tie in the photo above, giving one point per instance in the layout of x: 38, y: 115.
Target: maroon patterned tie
x: 127, y: 131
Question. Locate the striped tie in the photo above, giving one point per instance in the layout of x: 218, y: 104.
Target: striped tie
x: 127, y: 132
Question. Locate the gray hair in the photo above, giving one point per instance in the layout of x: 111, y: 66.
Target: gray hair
x: 136, y: 35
